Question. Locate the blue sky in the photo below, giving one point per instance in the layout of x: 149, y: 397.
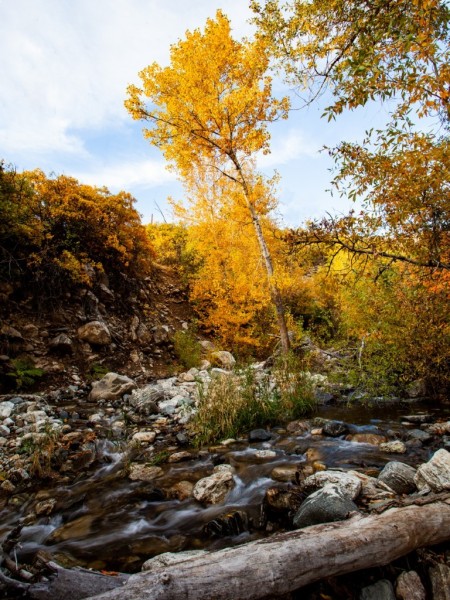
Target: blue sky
x: 64, y: 71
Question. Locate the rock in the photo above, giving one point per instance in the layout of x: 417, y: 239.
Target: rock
x: 439, y: 428
x: 373, y: 490
x: 45, y: 507
x: 374, y: 439
x: 7, y: 487
x: 161, y: 334
x: 11, y: 333
x: 348, y: 484
x: 181, y: 490
x: 418, y: 418
x: 280, y: 499
x: 61, y: 343
x: 177, y: 457
x: 145, y: 400
x: 381, y: 590
x: 394, y: 447
x: 435, y: 474
x: 440, y: 581
x: 207, y: 346
x: 419, y: 435
x: 409, y: 587
x: 324, y: 506
x: 144, y: 437
x: 223, y: 358
x: 231, y: 523
x: 111, y: 387
x: 297, y: 427
x: 170, y: 558
x: 399, y: 477
x: 259, y: 435
x: 285, y: 473
x: 95, y: 332
x: 215, y: 488
x: 334, y: 428
x: 265, y: 454
x: 6, y: 409
x: 140, y: 472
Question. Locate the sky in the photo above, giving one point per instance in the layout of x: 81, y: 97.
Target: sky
x: 64, y: 69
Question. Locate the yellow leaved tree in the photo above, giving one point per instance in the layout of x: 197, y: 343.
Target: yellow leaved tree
x: 208, y: 113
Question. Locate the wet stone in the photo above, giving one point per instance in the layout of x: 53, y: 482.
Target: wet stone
x: 227, y: 524
x: 139, y: 472
x: 259, y: 435
x: 285, y: 473
x: 324, y: 506
x: 334, y: 428
x: 394, y: 447
x: 373, y: 439
x: 399, y: 477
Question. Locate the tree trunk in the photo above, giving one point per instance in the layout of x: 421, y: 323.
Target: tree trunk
x: 274, y: 291
x: 289, y: 561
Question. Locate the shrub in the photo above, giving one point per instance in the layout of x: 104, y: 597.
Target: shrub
x: 24, y: 373
x: 236, y: 402
x: 187, y: 348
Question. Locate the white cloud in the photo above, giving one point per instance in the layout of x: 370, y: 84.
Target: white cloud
x: 125, y: 176
x: 66, y: 64
x: 286, y: 149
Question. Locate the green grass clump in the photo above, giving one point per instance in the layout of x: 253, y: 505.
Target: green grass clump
x: 24, y: 373
x: 237, y: 402
x: 187, y: 348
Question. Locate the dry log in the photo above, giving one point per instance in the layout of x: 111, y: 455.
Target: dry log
x: 286, y: 562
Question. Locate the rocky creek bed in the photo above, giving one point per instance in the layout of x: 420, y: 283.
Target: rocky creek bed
x: 109, y: 479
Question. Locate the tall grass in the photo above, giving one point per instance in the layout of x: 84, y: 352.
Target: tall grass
x: 237, y: 402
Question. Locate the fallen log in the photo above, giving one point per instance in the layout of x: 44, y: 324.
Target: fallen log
x: 286, y: 562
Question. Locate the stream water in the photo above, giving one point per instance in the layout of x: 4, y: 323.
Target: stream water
x: 104, y: 520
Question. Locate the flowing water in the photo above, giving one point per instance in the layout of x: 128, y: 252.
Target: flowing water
x: 105, y: 520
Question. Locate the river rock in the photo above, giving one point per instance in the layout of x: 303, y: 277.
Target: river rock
x: 140, y: 472
x: 95, y: 332
x: 45, y: 507
x: 418, y: 418
x: 399, y: 477
x: 334, y: 428
x: 394, y: 447
x: 181, y: 490
x: 223, y: 358
x: 6, y: 409
x: 285, y: 473
x: 409, y: 587
x: 259, y: 435
x: 324, y: 506
x: 348, y: 484
x: 215, y: 488
x: 435, y: 474
x: 144, y: 437
x: 281, y: 499
x: 111, y: 387
x: 381, y: 590
x: 145, y: 400
x: 419, y: 435
x: 440, y: 581
x: 373, y: 490
x: 374, y: 439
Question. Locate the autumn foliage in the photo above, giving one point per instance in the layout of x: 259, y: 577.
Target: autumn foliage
x: 56, y: 231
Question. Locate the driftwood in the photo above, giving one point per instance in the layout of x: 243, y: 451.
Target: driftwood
x: 289, y: 561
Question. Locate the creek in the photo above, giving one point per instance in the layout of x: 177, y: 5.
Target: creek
x: 103, y: 520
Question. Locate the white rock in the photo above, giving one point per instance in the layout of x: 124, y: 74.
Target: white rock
x: 139, y: 472
x: 111, y: 387
x: 6, y: 409
x: 215, y: 488
x: 144, y: 437
x: 394, y: 447
x: 224, y: 358
x: 435, y: 474
x: 348, y: 484
x: 95, y: 333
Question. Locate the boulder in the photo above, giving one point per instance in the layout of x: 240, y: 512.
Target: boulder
x: 95, y: 332
x: 215, y: 488
x: 111, y: 387
x: 324, y: 506
x: 435, y: 474
x: 145, y: 437
x: 399, y: 477
x: 145, y: 400
x: 439, y: 575
x: 348, y: 484
x: 223, y: 358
